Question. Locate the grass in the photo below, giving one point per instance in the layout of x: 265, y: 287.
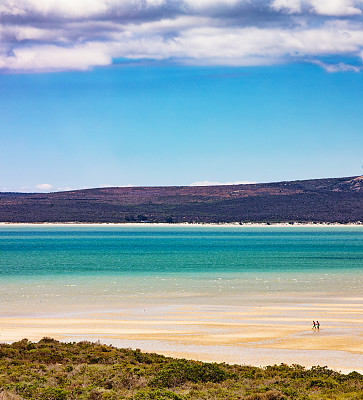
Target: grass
x: 52, y: 370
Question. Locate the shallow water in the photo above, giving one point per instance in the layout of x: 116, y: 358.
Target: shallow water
x: 47, y: 269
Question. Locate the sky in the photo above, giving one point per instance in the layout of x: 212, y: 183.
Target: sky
x: 97, y: 93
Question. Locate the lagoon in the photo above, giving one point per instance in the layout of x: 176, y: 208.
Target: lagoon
x: 210, y: 292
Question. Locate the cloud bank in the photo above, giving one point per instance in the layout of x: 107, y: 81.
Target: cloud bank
x: 56, y: 35
x: 213, y: 183
x: 44, y: 187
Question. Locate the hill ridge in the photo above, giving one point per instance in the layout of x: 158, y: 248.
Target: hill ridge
x: 310, y: 200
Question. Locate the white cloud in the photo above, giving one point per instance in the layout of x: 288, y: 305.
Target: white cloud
x: 44, y: 186
x: 198, y: 45
x: 50, y: 58
x: 339, y: 67
x: 248, y: 46
x: 212, y: 183
x: 289, y: 6
x: 68, y: 8
x: 65, y: 189
x: 336, y: 7
x: 200, y: 4
x: 56, y: 35
x: 88, y: 8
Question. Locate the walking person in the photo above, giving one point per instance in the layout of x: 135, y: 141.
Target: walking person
x: 317, y: 325
x: 314, y: 325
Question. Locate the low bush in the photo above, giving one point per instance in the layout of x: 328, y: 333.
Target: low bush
x: 52, y: 370
x: 176, y: 373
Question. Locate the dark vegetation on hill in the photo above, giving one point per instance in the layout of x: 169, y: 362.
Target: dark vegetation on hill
x: 316, y: 200
x: 51, y: 370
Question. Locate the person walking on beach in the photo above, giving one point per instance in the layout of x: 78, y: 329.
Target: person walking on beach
x: 317, y: 325
x: 314, y: 325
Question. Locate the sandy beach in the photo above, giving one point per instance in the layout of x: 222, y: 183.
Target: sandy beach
x: 258, y: 335
x: 184, y: 224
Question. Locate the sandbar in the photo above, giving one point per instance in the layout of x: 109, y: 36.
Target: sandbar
x: 250, y: 334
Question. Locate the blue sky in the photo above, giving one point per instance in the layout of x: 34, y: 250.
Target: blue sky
x: 173, y: 94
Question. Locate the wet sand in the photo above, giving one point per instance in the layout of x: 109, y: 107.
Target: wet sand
x: 251, y: 334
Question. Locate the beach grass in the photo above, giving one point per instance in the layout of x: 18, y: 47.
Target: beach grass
x: 53, y: 370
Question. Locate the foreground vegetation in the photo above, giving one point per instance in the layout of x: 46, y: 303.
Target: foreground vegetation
x: 53, y: 370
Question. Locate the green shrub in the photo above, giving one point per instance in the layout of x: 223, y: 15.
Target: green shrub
x: 178, y: 372
x: 69, y: 374
x: 269, y: 395
x: 160, y: 394
x: 53, y: 393
x: 322, y: 383
x: 95, y: 395
x: 25, y: 389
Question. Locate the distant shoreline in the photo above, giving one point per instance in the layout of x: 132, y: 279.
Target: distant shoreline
x: 185, y: 224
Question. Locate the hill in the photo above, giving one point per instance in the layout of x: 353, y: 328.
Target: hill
x: 316, y: 200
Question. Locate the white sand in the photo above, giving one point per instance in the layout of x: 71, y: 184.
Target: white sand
x: 257, y: 335
x: 184, y: 224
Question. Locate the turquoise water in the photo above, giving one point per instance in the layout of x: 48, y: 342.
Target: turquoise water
x: 107, y: 264
x: 181, y: 250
